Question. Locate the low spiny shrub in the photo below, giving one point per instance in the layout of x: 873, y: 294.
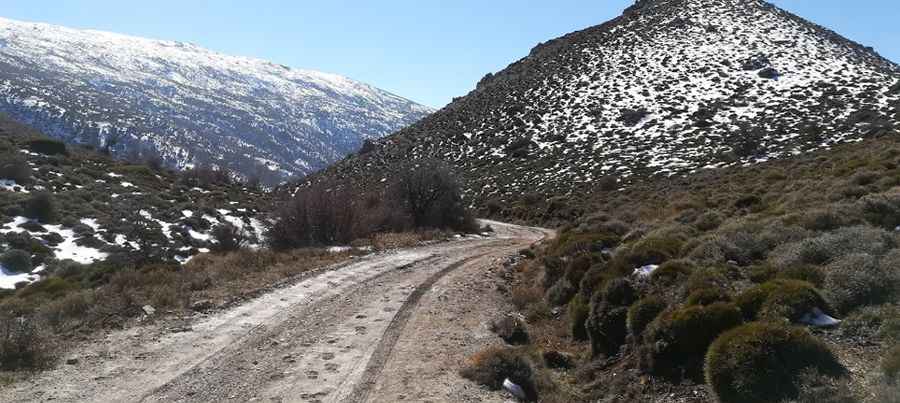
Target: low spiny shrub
x: 764, y: 362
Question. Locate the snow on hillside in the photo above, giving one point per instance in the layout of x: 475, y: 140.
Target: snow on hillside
x: 189, y: 104
x: 106, y: 210
x: 671, y: 87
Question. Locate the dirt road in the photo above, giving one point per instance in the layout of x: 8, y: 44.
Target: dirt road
x: 386, y: 327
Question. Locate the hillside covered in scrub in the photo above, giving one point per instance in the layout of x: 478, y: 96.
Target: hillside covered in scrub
x: 770, y: 283
x: 64, y: 205
x: 671, y: 87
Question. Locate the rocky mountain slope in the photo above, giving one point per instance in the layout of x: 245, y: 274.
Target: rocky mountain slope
x: 188, y: 104
x: 71, y: 207
x: 669, y: 87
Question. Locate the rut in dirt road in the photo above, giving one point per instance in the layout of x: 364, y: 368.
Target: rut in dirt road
x: 322, y: 339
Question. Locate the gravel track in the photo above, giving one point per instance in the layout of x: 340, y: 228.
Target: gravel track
x: 326, y: 338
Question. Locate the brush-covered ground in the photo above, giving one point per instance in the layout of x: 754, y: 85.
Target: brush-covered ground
x: 767, y: 283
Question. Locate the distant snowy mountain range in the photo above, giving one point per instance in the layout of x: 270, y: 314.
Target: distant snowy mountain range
x: 188, y: 104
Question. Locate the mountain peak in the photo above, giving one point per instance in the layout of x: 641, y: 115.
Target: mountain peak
x: 672, y: 87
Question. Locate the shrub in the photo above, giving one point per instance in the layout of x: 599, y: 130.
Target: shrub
x: 17, y: 261
x: 607, y: 329
x: 873, y: 322
x: 606, y: 324
x: 572, y: 243
x: 777, y: 299
x: 671, y: 272
x: 814, y: 387
x: 314, y: 216
x: 708, y: 277
x: 577, y: 268
x: 859, y: 279
x: 16, y: 168
x: 41, y: 207
x: 708, y: 296
x: 523, y: 296
x: 511, y: 329
x: 891, y: 364
x: 47, y: 147
x: 433, y: 198
x: 764, y: 362
x: 653, y: 249
x: 561, y: 293
x: 825, y: 248
x: 553, y: 271
x: 761, y: 273
x: 595, y: 279
x: 578, y: 310
x: 804, y: 272
x: 708, y: 221
x: 829, y: 218
x: 492, y: 366
x: 676, y: 341
x: 643, y: 312
x: 21, y: 343
x: 228, y: 238
x: 881, y: 210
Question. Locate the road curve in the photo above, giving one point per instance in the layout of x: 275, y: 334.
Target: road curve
x: 326, y: 338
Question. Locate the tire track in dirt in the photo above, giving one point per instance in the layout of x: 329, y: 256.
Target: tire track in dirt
x: 324, y: 338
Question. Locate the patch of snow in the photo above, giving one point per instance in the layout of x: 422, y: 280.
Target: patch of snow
x: 10, y: 185
x: 645, y: 271
x: 69, y: 250
x: 91, y: 222
x: 9, y: 279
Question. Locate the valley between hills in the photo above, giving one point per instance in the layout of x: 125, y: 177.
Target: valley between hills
x: 696, y: 201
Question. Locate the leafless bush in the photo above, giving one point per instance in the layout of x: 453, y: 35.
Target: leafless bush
x: 433, y: 198
x: 326, y: 214
x: 228, y: 237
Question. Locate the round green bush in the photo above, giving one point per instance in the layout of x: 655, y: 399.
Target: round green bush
x: 607, y: 329
x: 561, y: 293
x: 708, y: 296
x: 891, y: 364
x: 577, y: 267
x: 553, y: 271
x: 676, y: 341
x: 671, y: 272
x: 781, y: 299
x: 804, y: 272
x: 579, y: 309
x: 710, y: 277
x: 606, y: 324
x: 41, y: 207
x: 619, y: 292
x: 763, y: 362
x: 643, y: 312
x: 860, y: 279
x: 654, y: 249
x: 17, y: 261
x: 595, y: 279
x: 761, y: 274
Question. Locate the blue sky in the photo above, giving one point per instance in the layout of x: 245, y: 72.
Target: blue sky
x: 426, y: 50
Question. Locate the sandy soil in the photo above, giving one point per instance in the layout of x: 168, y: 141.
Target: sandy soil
x: 386, y: 327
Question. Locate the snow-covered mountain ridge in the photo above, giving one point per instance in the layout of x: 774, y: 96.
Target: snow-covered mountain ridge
x: 670, y: 87
x: 186, y: 103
